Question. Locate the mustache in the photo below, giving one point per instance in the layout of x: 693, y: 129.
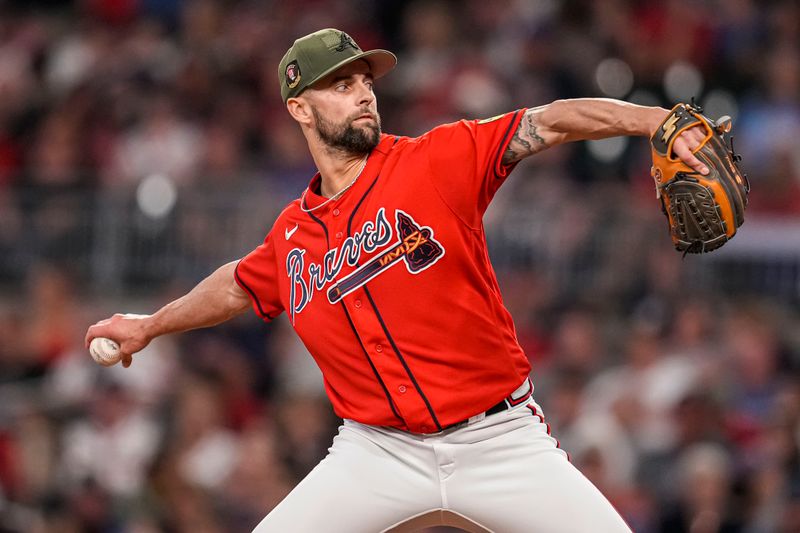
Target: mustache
x: 363, y: 112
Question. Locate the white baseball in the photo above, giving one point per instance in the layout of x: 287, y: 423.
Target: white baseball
x: 105, y: 351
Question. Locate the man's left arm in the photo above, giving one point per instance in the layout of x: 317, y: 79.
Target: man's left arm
x: 579, y: 119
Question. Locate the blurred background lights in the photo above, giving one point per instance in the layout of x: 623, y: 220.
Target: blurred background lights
x: 643, y: 97
x: 682, y: 81
x: 719, y: 102
x: 156, y: 195
x: 608, y: 150
x: 478, y: 94
x: 614, y: 77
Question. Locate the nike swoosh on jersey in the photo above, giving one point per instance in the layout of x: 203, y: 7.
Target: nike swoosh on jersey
x: 289, y: 232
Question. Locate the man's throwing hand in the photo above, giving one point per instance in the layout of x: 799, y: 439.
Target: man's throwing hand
x: 127, y: 330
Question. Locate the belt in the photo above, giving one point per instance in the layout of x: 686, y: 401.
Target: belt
x: 519, y: 396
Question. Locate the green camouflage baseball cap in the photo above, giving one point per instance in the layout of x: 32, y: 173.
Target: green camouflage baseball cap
x: 316, y: 55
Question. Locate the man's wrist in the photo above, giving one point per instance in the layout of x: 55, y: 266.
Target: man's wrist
x: 149, y: 326
x: 652, y: 120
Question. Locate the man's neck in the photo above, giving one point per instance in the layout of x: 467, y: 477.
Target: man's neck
x: 338, y: 169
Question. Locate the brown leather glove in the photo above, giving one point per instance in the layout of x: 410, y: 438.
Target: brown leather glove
x: 703, y: 212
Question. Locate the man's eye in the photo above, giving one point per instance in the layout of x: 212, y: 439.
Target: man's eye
x: 341, y: 87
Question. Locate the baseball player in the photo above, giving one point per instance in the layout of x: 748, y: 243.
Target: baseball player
x: 382, y: 268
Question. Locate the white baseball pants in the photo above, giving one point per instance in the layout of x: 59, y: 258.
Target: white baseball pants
x: 502, y: 474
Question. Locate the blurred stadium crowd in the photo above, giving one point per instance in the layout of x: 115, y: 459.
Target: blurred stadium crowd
x: 144, y: 142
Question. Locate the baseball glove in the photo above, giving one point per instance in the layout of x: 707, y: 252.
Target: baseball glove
x: 703, y: 212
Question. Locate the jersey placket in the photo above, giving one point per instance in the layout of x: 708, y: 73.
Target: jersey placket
x: 398, y: 380
x: 390, y: 364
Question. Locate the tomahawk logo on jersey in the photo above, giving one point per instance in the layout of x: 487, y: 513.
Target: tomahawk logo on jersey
x: 362, y: 279
x: 416, y: 246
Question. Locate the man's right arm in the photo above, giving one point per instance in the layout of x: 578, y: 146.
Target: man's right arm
x: 214, y: 300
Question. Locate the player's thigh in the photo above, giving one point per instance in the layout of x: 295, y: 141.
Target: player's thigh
x: 522, y: 483
x: 557, y: 498
x: 361, y: 486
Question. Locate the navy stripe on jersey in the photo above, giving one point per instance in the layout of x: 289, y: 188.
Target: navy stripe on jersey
x: 355, y: 332
x: 380, y: 318
x: 252, y: 293
x: 321, y: 223
x: 403, y: 361
x: 355, y: 209
x: 503, y: 145
x: 371, y: 364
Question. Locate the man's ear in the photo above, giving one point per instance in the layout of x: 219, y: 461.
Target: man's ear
x: 300, y: 110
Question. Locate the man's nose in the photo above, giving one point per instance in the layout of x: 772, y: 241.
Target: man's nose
x: 365, y: 95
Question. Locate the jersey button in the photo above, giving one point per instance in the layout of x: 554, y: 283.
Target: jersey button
x: 336, y: 212
x: 357, y: 303
x: 378, y: 348
x: 402, y: 389
x: 339, y: 234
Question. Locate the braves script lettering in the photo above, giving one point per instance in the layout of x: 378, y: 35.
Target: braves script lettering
x: 305, y: 281
x: 415, y: 247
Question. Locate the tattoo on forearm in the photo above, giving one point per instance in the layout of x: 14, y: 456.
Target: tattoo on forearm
x: 526, y: 140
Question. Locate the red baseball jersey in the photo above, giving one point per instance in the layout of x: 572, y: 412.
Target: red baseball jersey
x: 390, y: 286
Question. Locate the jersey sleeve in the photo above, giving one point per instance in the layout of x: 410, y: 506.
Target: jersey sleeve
x: 256, y: 273
x: 466, y: 162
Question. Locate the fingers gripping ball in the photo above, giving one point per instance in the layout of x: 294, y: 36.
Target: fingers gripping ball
x: 703, y: 211
x: 105, y: 351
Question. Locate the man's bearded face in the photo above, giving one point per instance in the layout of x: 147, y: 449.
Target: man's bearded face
x: 354, y: 139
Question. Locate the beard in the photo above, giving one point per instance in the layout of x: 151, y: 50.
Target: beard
x: 346, y: 137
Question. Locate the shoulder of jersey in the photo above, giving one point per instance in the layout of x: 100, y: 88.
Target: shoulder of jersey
x: 425, y: 137
x: 410, y: 142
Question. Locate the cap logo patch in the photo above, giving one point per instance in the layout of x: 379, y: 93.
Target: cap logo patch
x: 292, y: 74
x: 344, y: 42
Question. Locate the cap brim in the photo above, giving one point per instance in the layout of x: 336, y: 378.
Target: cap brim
x: 381, y: 62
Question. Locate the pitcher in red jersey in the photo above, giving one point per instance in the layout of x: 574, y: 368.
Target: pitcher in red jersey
x: 383, y: 269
